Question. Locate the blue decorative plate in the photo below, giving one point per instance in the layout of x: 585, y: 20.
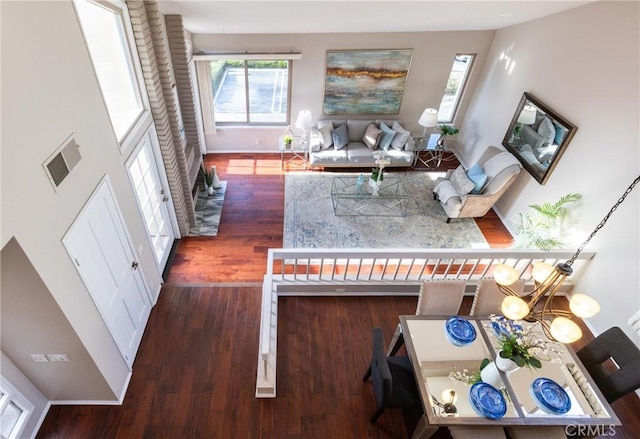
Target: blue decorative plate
x: 550, y: 396
x: 459, y: 331
x: 487, y: 401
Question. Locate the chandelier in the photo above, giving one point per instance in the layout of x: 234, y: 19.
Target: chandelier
x: 537, y: 305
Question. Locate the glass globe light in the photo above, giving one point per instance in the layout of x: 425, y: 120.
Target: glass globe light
x: 505, y: 275
x: 541, y: 271
x: 514, y: 308
x: 584, y: 306
x: 565, y: 330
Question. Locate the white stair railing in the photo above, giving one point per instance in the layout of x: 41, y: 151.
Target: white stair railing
x: 371, y: 272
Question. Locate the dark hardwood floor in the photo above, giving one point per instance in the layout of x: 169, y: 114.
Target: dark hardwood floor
x: 252, y: 222
x: 194, y: 375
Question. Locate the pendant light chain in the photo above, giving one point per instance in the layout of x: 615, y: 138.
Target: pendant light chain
x: 603, y: 222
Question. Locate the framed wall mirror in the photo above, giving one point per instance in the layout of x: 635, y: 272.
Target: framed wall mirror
x: 538, y: 136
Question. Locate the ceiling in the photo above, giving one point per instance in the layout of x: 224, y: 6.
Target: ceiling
x: 328, y: 16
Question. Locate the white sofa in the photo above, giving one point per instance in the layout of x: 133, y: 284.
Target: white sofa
x: 324, y: 151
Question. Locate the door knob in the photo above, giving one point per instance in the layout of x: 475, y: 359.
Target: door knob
x: 134, y: 265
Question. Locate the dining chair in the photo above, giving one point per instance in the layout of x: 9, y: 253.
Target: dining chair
x: 477, y: 432
x: 534, y: 432
x: 615, y: 344
x: 438, y: 297
x: 394, y: 385
x: 488, y: 297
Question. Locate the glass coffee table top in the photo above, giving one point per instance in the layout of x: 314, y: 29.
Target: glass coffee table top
x: 353, y: 196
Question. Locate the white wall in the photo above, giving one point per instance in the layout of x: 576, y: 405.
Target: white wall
x: 430, y: 67
x: 583, y: 63
x: 49, y: 91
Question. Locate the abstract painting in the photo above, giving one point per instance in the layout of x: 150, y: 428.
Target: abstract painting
x: 365, y: 81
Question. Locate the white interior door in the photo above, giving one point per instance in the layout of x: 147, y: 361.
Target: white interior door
x: 102, y: 252
x: 153, y: 198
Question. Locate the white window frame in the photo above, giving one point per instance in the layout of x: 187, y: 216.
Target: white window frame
x: 461, y: 89
x: 207, y: 106
x: 13, y: 395
x: 144, y: 119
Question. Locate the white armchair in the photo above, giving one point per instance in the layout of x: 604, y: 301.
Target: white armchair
x: 471, y: 193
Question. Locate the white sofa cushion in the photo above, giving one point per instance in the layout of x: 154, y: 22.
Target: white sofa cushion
x: 401, y: 136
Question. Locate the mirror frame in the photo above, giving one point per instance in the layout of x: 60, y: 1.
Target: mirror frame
x: 511, y: 134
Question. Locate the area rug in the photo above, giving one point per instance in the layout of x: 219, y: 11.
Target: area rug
x: 208, y: 211
x: 309, y: 221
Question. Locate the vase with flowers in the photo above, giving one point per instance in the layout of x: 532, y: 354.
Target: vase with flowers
x: 518, y: 347
x: 377, y: 173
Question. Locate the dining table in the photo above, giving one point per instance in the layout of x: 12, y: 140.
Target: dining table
x: 560, y: 393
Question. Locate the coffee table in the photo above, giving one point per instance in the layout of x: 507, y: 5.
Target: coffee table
x: 349, y: 198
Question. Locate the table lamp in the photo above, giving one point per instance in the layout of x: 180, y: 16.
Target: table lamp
x: 304, y: 122
x: 428, y: 119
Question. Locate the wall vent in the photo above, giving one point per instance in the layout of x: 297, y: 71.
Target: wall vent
x: 62, y: 161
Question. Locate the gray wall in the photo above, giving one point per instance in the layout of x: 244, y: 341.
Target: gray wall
x: 584, y: 63
x: 430, y: 67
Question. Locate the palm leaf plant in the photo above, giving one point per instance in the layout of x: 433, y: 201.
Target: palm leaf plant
x: 546, y: 227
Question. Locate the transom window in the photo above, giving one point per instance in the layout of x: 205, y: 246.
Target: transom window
x: 110, y: 48
x: 250, y: 91
x: 455, y: 87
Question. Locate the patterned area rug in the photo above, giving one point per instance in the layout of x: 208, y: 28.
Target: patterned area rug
x: 208, y: 211
x: 309, y: 221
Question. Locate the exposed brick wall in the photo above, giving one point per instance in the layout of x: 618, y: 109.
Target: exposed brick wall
x: 145, y: 20
x: 180, y: 59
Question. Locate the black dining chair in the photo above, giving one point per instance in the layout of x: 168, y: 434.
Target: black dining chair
x: 394, y: 385
x: 612, y: 343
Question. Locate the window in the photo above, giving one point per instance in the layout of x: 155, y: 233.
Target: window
x: 455, y: 87
x: 15, y: 409
x: 110, y: 48
x: 250, y: 91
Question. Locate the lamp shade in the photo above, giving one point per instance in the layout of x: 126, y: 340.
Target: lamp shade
x: 429, y: 118
x: 584, y: 306
x: 504, y: 274
x: 304, y: 120
x: 514, y: 308
x: 541, y: 271
x: 527, y: 115
x: 565, y: 330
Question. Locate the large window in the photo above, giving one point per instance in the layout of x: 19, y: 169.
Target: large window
x: 250, y: 91
x: 104, y: 25
x: 455, y: 87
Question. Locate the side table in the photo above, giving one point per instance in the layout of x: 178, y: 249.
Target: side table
x: 428, y: 152
x: 295, y: 154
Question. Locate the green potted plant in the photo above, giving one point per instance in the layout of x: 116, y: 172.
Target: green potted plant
x: 446, y: 130
x: 207, y: 177
x: 546, y: 227
x: 288, y: 139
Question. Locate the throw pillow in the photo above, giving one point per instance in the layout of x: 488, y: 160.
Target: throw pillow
x: 386, y: 137
x: 371, y: 136
x: 461, y: 182
x: 340, y: 137
x: 527, y: 153
x: 326, y: 135
x: 478, y: 177
x: 560, y: 133
x: 547, y: 131
x: 401, y: 136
